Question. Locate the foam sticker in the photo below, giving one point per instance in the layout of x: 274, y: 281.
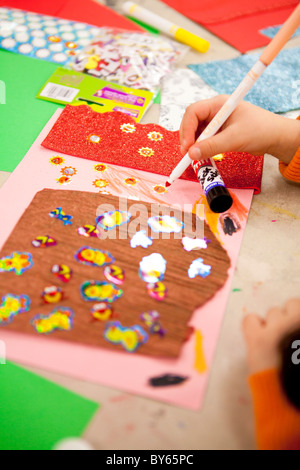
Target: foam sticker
x: 57, y: 160
x: 61, y: 318
x: 11, y: 306
x: 110, y: 220
x: 68, y: 171
x: 100, y: 291
x: 155, y: 136
x: 88, y: 231
x: 114, y: 274
x: 131, y: 181
x: 16, y: 262
x: 152, y: 321
x: 157, y: 290
x: 101, y: 167
x: 60, y: 215
x: 190, y: 244
x: 100, y: 183
x: 159, y: 189
x: 152, y: 268
x: 44, y: 242
x: 198, y: 268
x: 64, y: 180
x: 146, y: 152
x: 128, y: 128
x: 102, y: 312
x: 94, y: 257
x: 165, y: 224
x: 128, y: 337
x: 140, y: 239
x: 62, y: 271
x: 52, y: 295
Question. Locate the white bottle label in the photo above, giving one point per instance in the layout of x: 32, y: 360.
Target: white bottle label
x: 208, y: 176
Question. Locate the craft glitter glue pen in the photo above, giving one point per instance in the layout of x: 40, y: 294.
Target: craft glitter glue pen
x: 267, y: 56
x: 165, y: 26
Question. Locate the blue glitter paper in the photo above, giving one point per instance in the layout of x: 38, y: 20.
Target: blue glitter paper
x: 271, y: 31
x: 277, y: 90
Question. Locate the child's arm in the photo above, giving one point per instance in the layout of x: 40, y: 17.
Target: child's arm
x: 248, y: 129
x: 274, y: 379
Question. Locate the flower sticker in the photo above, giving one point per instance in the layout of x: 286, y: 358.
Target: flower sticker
x: 93, y: 257
x: 16, y: 262
x: 128, y: 128
x: 146, y: 152
x: 61, y: 318
x: 131, y: 181
x: 11, y: 306
x: 100, y: 291
x: 100, y: 183
x: 56, y: 161
x: 101, y: 167
x: 94, y: 139
x: 68, y: 171
x: 155, y: 136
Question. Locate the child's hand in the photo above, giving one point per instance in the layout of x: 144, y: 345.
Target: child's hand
x: 248, y: 129
x: 263, y: 336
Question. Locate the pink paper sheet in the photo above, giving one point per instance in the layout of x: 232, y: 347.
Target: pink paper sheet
x: 118, y: 370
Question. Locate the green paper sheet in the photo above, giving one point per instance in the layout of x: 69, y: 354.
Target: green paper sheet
x: 23, y: 116
x: 36, y: 414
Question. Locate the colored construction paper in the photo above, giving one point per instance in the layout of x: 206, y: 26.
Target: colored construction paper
x: 23, y: 116
x: 149, y: 147
x: 36, y: 413
x: 86, y: 11
x: 41, y: 168
x: 276, y: 90
x: 237, y: 22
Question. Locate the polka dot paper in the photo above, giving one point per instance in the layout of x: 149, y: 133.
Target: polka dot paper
x: 43, y: 37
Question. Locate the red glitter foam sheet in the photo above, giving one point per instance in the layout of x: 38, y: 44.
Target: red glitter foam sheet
x: 116, y: 138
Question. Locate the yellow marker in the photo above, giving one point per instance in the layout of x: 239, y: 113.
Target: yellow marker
x: 165, y: 26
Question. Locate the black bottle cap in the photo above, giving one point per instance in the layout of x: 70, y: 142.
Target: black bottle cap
x: 219, y: 199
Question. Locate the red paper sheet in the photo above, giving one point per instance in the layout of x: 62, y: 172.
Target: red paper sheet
x: 117, y: 139
x: 237, y: 22
x: 86, y: 11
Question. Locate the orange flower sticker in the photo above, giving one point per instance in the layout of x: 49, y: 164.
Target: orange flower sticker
x: 100, y: 183
x: 155, y: 136
x: 146, y: 152
x: 128, y: 128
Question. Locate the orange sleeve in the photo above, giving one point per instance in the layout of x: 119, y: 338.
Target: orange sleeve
x: 291, y: 172
x: 277, y: 422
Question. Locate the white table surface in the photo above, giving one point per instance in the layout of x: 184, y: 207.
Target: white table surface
x: 267, y: 274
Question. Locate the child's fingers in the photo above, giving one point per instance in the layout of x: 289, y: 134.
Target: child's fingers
x: 194, y: 115
x: 251, y: 326
x: 274, y: 315
x: 292, y: 307
x: 219, y: 143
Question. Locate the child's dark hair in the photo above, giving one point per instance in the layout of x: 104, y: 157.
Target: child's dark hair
x: 290, y: 367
